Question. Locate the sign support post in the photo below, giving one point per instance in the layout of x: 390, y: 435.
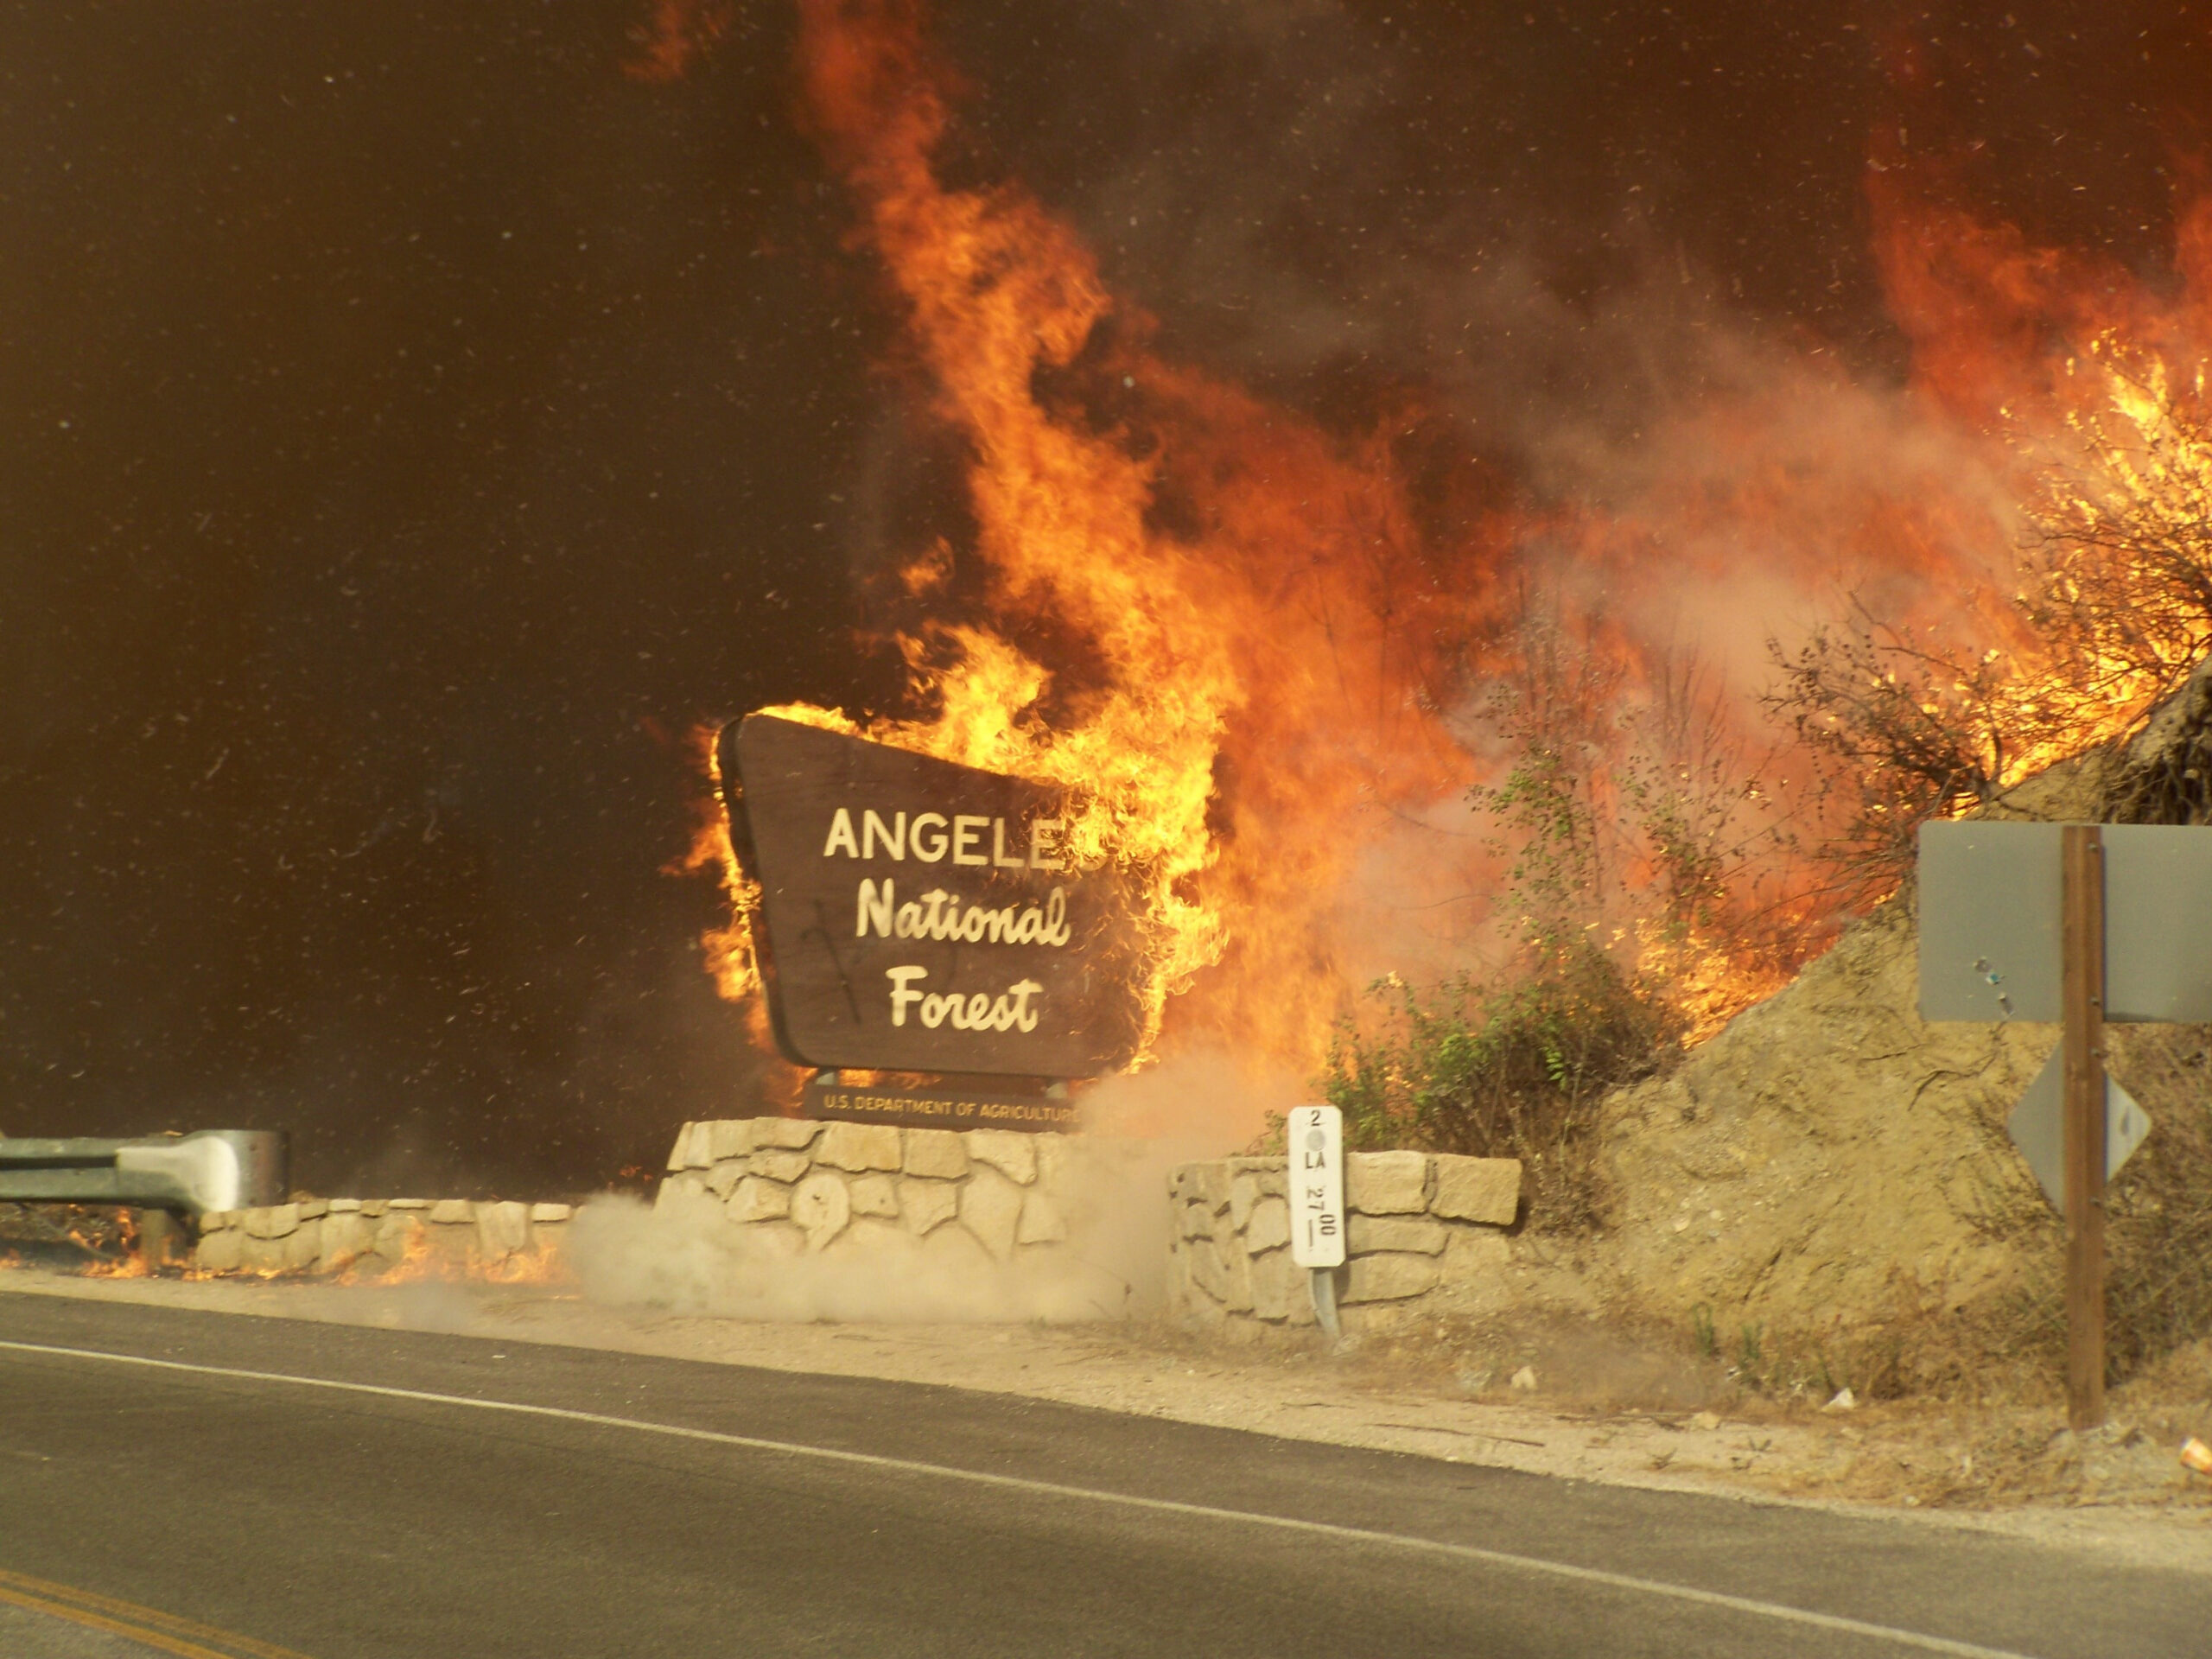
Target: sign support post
x: 2080, y: 926
x: 2083, y: 1000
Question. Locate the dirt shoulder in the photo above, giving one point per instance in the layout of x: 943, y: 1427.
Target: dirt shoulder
x: 2125, y: 1495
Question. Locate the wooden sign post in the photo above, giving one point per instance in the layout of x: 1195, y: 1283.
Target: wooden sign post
x: 2080, y: 925
x: 2082, y: 875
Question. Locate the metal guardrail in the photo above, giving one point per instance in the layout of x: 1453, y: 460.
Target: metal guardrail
x: 208, y: 1169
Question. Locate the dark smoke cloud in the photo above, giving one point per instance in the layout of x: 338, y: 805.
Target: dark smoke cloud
x: 414, y: 425
x: 1548, y: 212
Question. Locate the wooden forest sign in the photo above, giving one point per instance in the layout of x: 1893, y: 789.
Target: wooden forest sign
x: 921, y: 916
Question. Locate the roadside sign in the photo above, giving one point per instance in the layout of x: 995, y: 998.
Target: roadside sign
x: 2158, y: 922
x: 2081, y: 924
x: 2037, y: 1127
x: 920, y: 916
x: 1315, y: 1137
x: 1989, y: 922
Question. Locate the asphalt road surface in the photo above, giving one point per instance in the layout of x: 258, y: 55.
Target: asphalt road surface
x: 263, y: 1489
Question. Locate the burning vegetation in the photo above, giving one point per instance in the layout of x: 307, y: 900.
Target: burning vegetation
x: 1475, y: 794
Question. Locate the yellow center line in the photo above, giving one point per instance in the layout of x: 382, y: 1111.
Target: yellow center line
x: 148, y: 1624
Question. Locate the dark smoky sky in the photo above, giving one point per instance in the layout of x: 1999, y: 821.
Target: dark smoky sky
x: 414, y: 425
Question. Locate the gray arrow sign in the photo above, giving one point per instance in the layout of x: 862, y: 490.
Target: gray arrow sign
x: 2037, y: 1127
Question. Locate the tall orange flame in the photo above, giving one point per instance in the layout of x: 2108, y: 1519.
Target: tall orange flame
x: 1258, y: 656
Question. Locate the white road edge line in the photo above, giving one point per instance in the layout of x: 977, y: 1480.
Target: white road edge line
x: 1913, y: 1639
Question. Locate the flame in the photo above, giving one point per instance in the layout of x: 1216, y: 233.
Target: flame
x: 133, y: 1266
x: 1269, y: 661
x: 2090, y: 383
x: 1283, y: 638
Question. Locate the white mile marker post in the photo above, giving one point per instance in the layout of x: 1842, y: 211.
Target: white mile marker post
x: 1314, y: 1138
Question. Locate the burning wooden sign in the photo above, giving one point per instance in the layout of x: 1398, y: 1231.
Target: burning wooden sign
x: 921, y: 916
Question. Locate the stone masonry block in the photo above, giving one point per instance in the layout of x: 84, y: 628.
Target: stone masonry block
x: 1477, y: 1188
x: 502, y: 1228
x: 821, y: 1206
x: 1388, y: 1278
x: 874, y: 1195
x: 1270, y: 1173
x: 1243, y: 1193
x: 697, y: 1146
x: 723, y: 1177
x: 453, y: 1212
x: 728, y: 1137
x: 786, y: 1132
x: 1202, y: 1262
x: 759, y: 1199
x: 1276, y: 1282
x: 1207, y: 1184
x: 1237, y: 1280
x: 924, y: 1205
x: 1041, y: 1220
x: 544, y: 1212
x: 937, y: 1153
x: 397, y: 1236
x: 345, y: 1235
x: 780, y: 1164
x: 302, y: 1244
x: 1011, y: 1153
x: 1369, y: 1235
x: 1386, y: 1183
x: 679, y: 1189
x: 221, y: 1252
x: 859, y: 1146
x: 272, y: 1221
x: 680, y: 1150
x: 1225, y: 1234
x: 1269, y: 1227
x: 1056, y: 1160
x: 870, y: 1244
x: 990, y: 1208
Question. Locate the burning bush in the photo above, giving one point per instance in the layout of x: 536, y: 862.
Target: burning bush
x: 2114, y: 614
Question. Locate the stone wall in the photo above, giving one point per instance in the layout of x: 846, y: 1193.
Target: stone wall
x: 1426, y: 1235
x: 797, y: 1186
x: 375, y: 1238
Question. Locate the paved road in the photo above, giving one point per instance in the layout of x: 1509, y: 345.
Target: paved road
x: 458, y: 1496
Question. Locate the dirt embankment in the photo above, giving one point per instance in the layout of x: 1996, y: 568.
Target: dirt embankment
x: 1828, y: 1169
x: 1824, y: 1194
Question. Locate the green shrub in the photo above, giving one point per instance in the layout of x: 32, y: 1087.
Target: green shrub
x: 1514, y: 1070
